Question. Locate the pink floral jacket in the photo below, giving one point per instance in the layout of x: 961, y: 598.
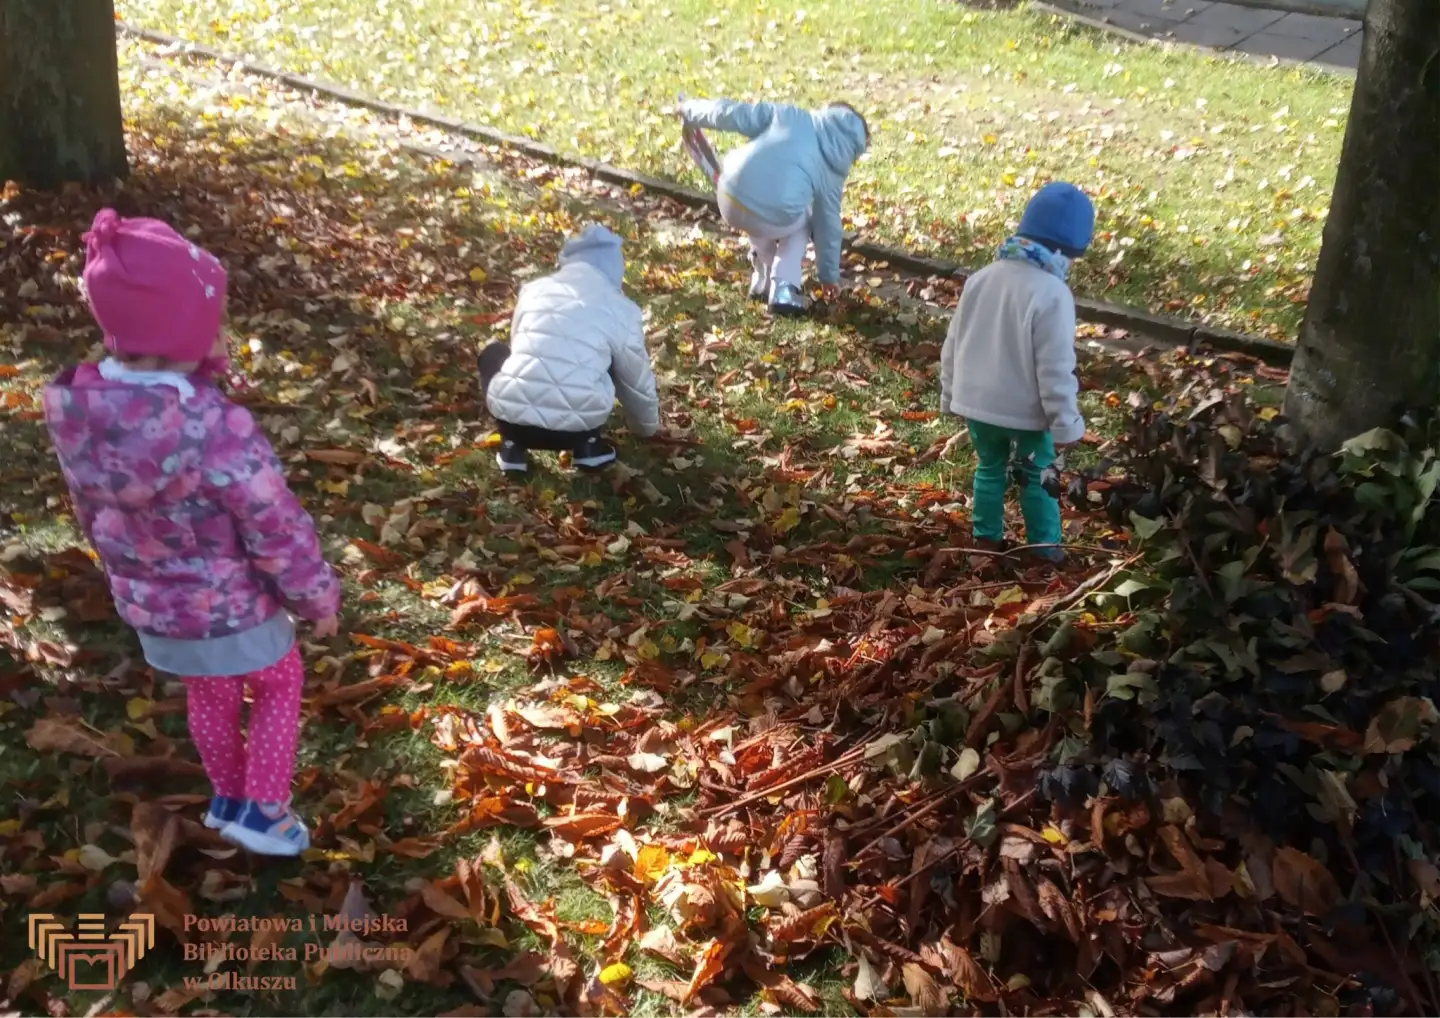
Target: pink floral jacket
x: 187, y: 506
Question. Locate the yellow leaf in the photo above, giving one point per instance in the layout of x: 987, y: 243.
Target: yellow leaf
x: 1269, y: 413
x: 341, y: 488
x: 478, y: 275
x: 788, y: 520
x: 647, y: 650
x: 712, y: 658
x: 650, y: 862
x: 9, y: 827
x: 741, y: 634
x: 793, y: 406
x: 700, y: 857
x: 1054, y: 835
x: 1012, y: 595
x: 615, y: 975
x: 137, y: 707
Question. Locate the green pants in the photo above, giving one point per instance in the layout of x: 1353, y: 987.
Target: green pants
x: 994, y: 448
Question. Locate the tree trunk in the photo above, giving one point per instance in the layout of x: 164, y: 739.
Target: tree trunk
x: 1369, y: 346
x: 59, y: 93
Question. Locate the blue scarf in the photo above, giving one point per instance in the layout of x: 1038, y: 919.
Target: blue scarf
x: 1019, y: 249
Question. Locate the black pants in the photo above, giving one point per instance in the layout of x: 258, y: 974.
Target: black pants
x: 526, y: 436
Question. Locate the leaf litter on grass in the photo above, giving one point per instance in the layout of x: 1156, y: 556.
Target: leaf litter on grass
x: 796, y: 744
x: 970, y: 110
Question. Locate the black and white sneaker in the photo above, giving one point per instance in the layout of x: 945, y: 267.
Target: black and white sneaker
x: 512, y: 458
x: 787, y: 300
x: 594, y: 453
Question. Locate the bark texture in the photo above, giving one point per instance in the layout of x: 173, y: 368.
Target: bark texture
x: 60, y: 115
x: 1369, y: 347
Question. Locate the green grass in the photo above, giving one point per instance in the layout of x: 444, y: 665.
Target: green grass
x: 356, y: 311
x: 1212, y: 176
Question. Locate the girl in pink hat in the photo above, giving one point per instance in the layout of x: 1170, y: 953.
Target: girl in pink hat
x: 209, y: 555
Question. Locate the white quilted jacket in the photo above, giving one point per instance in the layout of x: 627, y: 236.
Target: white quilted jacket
x: 576, y: 342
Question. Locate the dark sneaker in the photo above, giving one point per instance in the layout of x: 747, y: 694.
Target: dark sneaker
x: 787, y: 300
x: 594, y: 453
x: 270, y: 828
x: 512, y: 458
x: 1052, y: 554
x: 223, y: 810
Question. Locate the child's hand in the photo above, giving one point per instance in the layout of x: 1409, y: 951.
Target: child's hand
x: 326, y: 628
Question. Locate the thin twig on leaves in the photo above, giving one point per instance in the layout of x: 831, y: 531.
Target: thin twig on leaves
x: 1400, y: 969
x: 1085, y: 588
x: 918, y: 814
x: 1424, y: 968
x: 960, y: 846
x: 851, y: 757
x: 1022, y: 549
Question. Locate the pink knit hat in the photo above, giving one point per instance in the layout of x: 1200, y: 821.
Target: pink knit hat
x: 154, y: 293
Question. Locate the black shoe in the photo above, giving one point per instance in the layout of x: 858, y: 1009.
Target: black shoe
x: 787, y: 300
x: 594, y: 453
x: 512, y: 458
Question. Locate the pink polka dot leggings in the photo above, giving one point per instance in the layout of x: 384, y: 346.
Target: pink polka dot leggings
x: 260, y: 768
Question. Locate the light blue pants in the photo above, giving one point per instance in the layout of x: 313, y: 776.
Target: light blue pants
x: 994, y: 448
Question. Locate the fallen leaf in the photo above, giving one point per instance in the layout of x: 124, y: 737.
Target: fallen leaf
x: 62, y: 735
x: 924, y: 990
x: 868, y: 985
x: 617, y: 974
x: 1303, y: 882
x: 156, y: 831
x: 707, y: 969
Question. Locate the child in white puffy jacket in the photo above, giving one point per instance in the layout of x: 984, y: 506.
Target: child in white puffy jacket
x: 576, y: 343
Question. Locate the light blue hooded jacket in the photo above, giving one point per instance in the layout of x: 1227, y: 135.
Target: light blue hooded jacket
x: 795, y: 164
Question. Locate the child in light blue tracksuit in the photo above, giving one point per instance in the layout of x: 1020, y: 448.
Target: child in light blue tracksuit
x: 1008, y: 364
x: 783, y: 187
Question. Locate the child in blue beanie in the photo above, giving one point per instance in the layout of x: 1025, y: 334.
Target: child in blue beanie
x: 784, y: 187
x: 1008, y: 364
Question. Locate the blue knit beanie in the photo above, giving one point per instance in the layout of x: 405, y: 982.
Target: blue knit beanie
x: 1060, y: 216
x: 596, y: 246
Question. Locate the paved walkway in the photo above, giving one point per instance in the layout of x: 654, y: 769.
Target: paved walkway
x: 1332, y: 41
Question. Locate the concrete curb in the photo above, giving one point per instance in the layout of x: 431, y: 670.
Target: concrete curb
x: 1311, y: 7
x: 1168, y: 330
x: 1096, y: 21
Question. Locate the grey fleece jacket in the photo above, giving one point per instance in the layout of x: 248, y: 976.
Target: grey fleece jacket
x: 794, y: 164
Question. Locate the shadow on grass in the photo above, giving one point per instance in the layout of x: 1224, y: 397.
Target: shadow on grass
x: 356, y: 312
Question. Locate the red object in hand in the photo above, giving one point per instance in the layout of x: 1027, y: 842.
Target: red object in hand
x: 701, y: 151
